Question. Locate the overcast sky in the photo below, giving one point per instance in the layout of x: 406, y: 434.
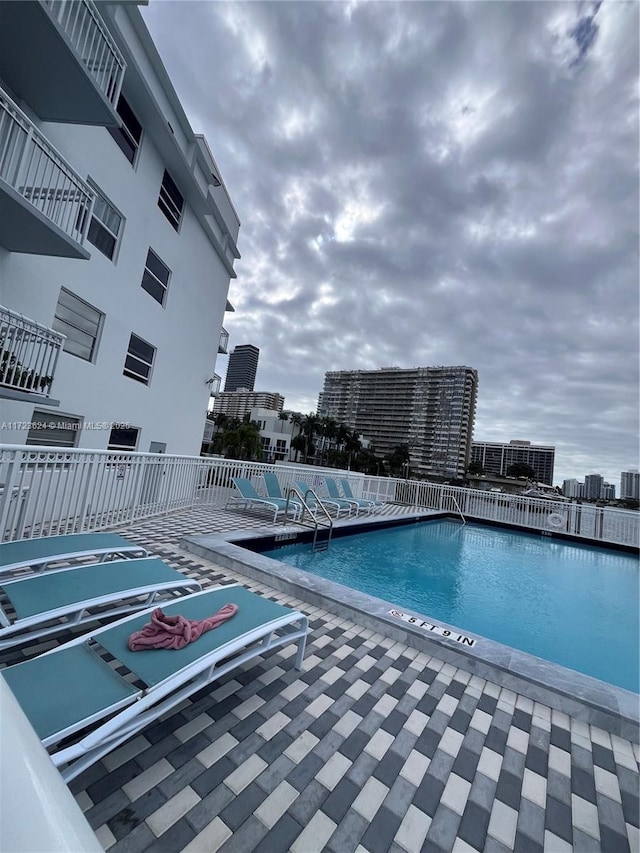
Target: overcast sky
x: 432, y: 183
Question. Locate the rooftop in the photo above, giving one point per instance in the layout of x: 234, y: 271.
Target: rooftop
x: 376, y: 746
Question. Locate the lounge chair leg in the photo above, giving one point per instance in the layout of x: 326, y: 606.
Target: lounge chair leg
x: 302, y: 642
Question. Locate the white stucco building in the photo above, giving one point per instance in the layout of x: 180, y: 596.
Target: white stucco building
x: 116, y: 230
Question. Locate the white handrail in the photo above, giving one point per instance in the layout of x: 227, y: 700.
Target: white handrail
x: 29, y: 353
x: 46, y: 490
x: 92, y: 41
x: 33, y: 168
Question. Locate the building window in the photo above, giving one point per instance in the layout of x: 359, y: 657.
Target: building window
x: 54, y: 430
x: 123, y: 438
x: 171, y: 201
x: 80, y: 322
x: 156, y: 277
x: 105, y: 225
x: 127, y: 136
x: 139, y: 360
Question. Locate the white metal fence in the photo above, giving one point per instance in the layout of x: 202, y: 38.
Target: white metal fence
x: 28, y: 353
x: 92, y: 41
x: 46, y: 491
x: 35, y: 170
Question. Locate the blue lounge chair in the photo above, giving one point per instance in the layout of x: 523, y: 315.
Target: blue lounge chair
x: 82, y: 708
x: 272, y: 485
x: 250, y: 498
x: 334, y: 494
x: 346, y: 491
x: 38, y: 605
x: 337, y: 506
x: 37, y: 555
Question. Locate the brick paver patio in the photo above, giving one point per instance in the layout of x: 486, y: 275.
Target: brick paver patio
x: 374, y: 747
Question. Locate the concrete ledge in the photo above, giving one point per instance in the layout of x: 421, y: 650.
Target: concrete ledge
x: 587, y: 699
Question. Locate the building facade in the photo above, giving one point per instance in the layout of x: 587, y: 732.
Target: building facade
x: 630, y: 485
x: 430, y: 409
x: 117, y: 237
x: 237, y: 404
x: 593, y: 486
x: 497, y: 457
x: 242, y: 368
x: 572, y: 488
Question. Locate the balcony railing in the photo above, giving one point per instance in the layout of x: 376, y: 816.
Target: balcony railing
x: 214, y: 384
x: 35, y: 170
x: 224, y: 341
x: 92, y: 41
x: 28, y: 354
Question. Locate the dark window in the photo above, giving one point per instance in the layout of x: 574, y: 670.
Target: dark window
x: 170, y: 200
x: 123, y: 438
x: 104, y: 227
x: 129, y: 134
x: 139, y: 360
x: 80, y: 322
x: 53, y: 430
x: 155, y: 279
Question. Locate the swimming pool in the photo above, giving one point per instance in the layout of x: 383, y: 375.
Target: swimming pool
x: 568, y: 603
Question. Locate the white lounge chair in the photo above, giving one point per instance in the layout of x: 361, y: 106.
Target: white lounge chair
x: 81, y: 708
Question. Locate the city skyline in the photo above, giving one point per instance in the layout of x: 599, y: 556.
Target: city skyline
x: 433, y: 183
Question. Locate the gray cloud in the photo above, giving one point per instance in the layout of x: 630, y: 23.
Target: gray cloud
x: 432, y: 183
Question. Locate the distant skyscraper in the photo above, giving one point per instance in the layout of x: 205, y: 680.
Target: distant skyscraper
x: 630, y: 484
x: 593, y: 486
x: 430, y: 409
x: 236, y: 404
x: 496, y: 458
x: 242, y: 368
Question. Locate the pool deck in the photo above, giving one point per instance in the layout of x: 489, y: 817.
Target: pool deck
x: 376, y: 746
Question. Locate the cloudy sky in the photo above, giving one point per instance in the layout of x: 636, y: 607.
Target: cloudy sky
x: 429, y: 183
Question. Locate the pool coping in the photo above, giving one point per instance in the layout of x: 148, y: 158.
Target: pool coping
x: 585, y: 698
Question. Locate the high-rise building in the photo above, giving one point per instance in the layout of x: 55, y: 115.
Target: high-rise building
x: 572, y: 488
x: 630, y: 484
x: 497, y: 457
x: 116, y: 235
x: 242, y: 368
x: 430, y: 409
x: 593, y: 486
x: 236, y: 404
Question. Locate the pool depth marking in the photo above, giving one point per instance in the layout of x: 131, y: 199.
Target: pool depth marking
x: 434, y: 629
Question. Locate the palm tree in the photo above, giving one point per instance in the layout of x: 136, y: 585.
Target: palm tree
x: 328, y: 431
x: 298, y: 443
x: 310, y: 425
x: 352, y: 445
x: 240, y: 440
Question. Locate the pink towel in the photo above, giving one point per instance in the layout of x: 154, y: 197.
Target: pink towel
x: 176, y: 632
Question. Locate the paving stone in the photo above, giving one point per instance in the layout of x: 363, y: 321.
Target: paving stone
x: 347, y: 834
x: 473, y: 825
x: 558, y: 819
x: 381, y: 831
x: 250, y: 836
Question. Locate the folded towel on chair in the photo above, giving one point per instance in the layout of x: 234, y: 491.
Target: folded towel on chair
x: 176, y: 632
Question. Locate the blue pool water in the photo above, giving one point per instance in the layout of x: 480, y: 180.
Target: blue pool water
x: 571, y: 604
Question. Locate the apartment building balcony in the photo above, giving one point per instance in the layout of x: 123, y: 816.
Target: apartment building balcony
x: 214, y: 385
x: 45, y: 205
x: 60, y: 59
x: 223, y: 343
x: 29, y: 355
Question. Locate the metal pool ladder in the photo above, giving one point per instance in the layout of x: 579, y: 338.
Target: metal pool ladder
x: 314, y: 522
